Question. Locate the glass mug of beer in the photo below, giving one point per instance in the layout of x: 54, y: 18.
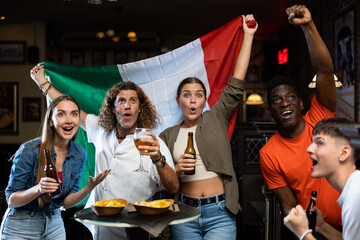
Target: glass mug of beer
x: 140, y: 133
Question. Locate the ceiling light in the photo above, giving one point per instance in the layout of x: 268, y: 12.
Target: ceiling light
x: 100, y: 35
x: 110, y: 33
x: 131, y: 35
x: 254, y: 99
x: 116, y: 39
x: 133, y: 39
x: 313, y: 82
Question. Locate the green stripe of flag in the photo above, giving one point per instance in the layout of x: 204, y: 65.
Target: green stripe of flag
x: 88, y: 85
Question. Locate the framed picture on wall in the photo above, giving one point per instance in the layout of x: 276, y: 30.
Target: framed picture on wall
x: 98, y: 58
x: 12, y: 51
x: 345, y: 64
x: 77, y: 58
x: 31, y: 109
x: 9, y: 108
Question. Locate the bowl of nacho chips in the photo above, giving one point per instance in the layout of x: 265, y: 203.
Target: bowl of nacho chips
x: 109, y: 207
x: 153, y: 207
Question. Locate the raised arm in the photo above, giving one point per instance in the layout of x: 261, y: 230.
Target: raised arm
x: 319, y: 55
x: 242, y: 61
x: 37, y: 73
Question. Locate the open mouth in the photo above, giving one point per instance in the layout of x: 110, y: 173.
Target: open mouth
x: 192, y: 110
x: 67, y: 129
x: 127, y: 115
x: 286, y: 114
x: 314, y: 162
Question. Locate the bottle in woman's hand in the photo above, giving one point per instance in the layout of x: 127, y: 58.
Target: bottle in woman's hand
x: 50, y: 171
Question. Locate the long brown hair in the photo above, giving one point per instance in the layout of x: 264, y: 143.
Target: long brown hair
x: 47, y: 137
x: 148, y: 116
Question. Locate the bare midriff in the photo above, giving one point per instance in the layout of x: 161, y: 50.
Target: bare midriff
x: 203, y: 188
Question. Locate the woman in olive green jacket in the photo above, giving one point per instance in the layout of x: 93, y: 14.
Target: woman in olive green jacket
x: 213, y: 188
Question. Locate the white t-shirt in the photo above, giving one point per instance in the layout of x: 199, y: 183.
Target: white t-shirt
x: 350, y: 208
x: 122, y: 159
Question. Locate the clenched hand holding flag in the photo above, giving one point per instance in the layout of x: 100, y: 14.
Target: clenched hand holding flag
x: 210, y: 58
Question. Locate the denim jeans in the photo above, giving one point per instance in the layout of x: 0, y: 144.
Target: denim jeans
x: 32, y: 225
x: 215, y: 222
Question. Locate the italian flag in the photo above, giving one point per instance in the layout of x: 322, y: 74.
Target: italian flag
x: 211, y: 58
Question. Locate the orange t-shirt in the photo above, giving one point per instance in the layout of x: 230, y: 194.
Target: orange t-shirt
x: 285, y: 162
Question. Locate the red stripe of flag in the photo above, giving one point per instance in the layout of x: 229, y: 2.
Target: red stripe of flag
x: 221, y: 48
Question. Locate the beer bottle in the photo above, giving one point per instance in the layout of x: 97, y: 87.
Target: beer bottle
x: 190, y: 150
x: 311, y: 215
x: 50, y: 171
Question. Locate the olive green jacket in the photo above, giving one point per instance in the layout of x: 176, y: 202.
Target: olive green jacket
x: 213, y: 142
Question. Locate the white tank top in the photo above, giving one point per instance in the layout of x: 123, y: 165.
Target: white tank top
x: 201, y: 173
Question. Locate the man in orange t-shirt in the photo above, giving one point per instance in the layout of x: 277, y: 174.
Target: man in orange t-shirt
x: 285, y: 164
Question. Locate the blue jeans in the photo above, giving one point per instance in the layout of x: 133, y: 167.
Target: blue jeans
x: 215, y: 222
x: 32, y: 225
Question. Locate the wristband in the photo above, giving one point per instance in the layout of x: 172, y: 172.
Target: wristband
x: 43, y: 84
x: 305, y: 233
x: 154, y: 161
x: 46, y: 91
x: 162, y: 163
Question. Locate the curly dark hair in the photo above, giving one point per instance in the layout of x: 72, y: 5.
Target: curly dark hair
x: 148, y: 116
